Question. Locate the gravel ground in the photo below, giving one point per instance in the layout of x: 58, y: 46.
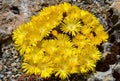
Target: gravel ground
x: 15, y: 12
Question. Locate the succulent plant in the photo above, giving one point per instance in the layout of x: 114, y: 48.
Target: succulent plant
x: 60, y: 40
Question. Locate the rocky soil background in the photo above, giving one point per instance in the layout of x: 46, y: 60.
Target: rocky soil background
x: 15, y: 12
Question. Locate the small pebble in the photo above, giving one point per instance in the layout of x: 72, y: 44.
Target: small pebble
x: 15, y: 57
x: 13, y: 64
x: 1, y: 67
x: 9, y: 72
x: 1, y: 75
x: 14, y: 70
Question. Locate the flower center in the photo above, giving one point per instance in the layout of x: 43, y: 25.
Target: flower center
x: 71, y: 27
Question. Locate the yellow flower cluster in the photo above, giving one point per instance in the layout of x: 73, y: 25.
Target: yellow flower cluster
x: 60, y: 40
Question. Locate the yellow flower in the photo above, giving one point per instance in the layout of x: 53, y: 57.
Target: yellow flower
x: 80, y: 41
x: 87, y: 58
x: 88, y: 65
x: 63, y: 41
x: 30, y: 68
x: 62, y: 73
x: 38, y: 65
x: 88, y: 15
x: 70, y: 26
x: 34, y: 55
x: 65, y: 6
x: 61, y: 67
x: 86, y: 30
x: 73, y: 62
x: 50, y: 47
x: 24, y: 31
x: 46, y: 20
x: 71, y: 23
